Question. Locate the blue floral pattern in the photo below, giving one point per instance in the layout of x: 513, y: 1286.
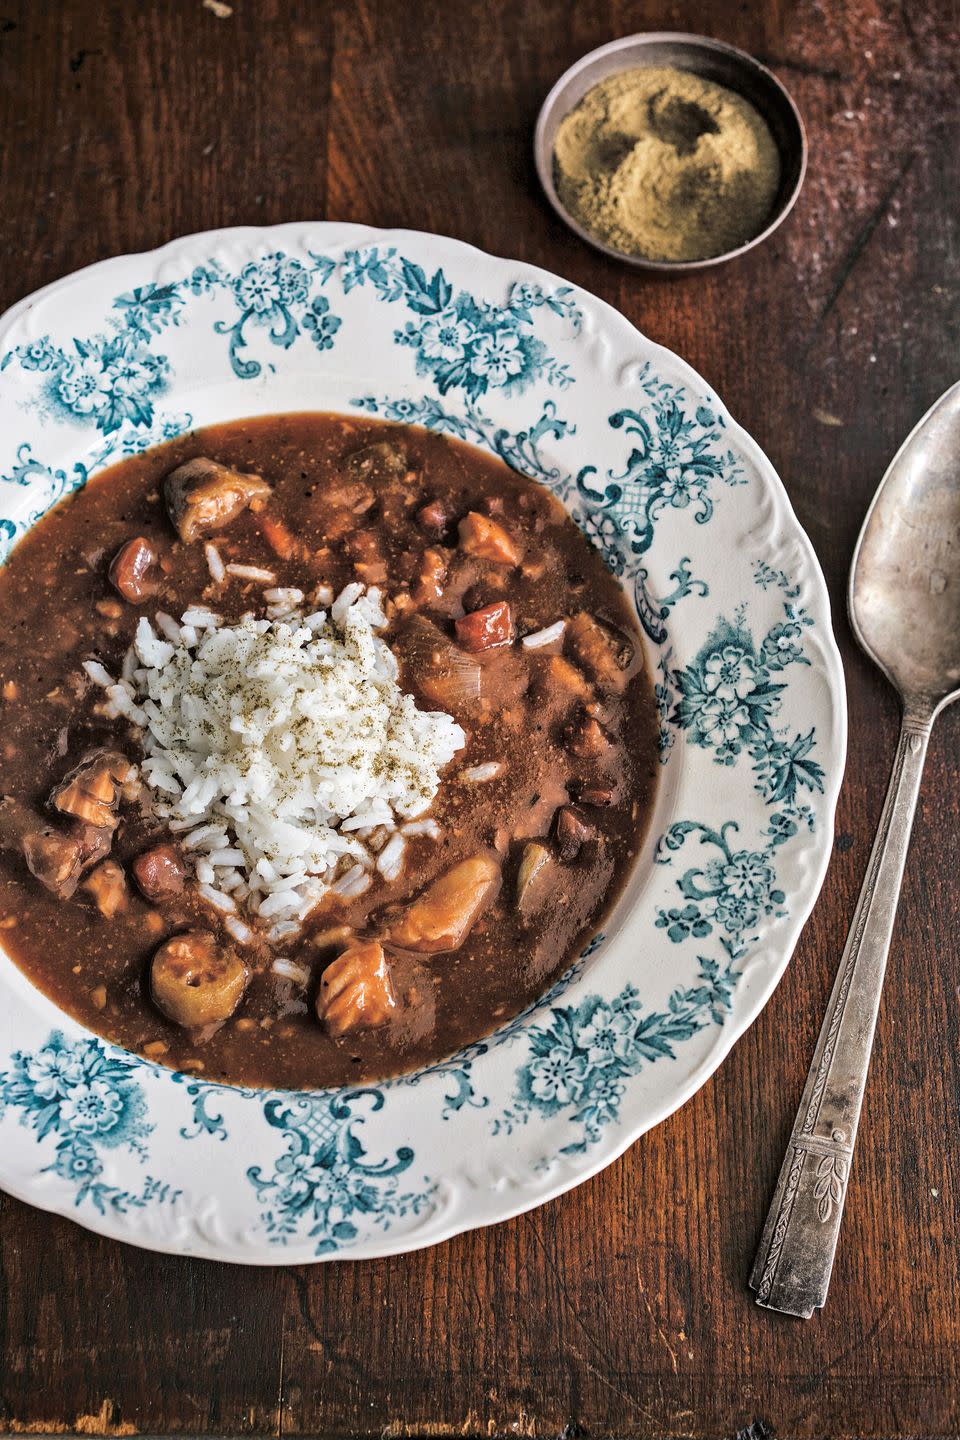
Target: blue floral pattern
x: 519, y: 449
x: 324, y: 1183
x: 459, y: 342
x: 494, y: 361
x: 85, y: 1094
x: 730, y: 694
x: 579, y: 1063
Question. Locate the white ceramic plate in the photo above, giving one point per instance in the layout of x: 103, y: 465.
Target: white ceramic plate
x: 688, y: 512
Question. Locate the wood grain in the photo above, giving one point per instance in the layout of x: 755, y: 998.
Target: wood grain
x: 621, y: 1309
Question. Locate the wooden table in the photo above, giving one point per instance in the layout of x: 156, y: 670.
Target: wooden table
x: 620, y: 1309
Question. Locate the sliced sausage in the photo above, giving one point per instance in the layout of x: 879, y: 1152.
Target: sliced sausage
x: 442, y: 917
x: 91, y: 791
x: 130, y: 569
x: 160, y: 872
x: 485, y: 629
x: 195, y: 981
x: 203, y: 496
x: 356, y: 992
x: 487, y: 539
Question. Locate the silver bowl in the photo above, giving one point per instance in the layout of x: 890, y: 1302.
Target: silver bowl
x: 711, y: 60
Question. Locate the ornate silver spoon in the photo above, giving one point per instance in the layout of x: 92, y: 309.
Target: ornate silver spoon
x: 904, y: 605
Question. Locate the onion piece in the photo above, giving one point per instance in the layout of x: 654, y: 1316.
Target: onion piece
x: 446, y: 675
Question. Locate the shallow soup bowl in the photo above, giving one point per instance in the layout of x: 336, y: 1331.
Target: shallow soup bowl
x: 688, y: 514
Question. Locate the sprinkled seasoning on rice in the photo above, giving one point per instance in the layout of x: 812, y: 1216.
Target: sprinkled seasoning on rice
x: 271, y: 743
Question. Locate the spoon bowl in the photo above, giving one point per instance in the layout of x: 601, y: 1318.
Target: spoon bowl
x: 905, y: 579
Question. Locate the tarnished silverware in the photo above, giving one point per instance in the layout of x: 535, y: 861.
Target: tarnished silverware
x: 904, y: 603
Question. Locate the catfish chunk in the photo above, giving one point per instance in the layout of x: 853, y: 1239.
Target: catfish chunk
x: 203, y: 496
x: 356, y: 992
x: 55, y: 859
x: 443, y: 916
x: 91, y: 791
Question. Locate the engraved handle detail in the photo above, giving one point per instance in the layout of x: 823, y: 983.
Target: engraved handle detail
x: 795, y: 1257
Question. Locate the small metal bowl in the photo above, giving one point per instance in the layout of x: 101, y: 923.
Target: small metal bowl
x: 711, y: 60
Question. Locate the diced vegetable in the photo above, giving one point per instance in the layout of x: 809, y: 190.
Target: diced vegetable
x: 130, y: 568
x: 485, y: 629
x: 479, y: 774
x: 443, y: 916
x: 356, y: 992
x: 195, y: 981
x: 487, y: 539
x: 91, y: 791
x: 108, y: 886
x: 536, y: 862
x: 571, y: 833
x: 603, y: 655
x: 203, y: 496
x: 278, y: 537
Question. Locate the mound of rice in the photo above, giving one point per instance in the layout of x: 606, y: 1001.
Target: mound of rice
x: 277, y: 747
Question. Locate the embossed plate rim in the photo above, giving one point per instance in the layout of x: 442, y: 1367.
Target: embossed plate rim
x: 466, y: 1195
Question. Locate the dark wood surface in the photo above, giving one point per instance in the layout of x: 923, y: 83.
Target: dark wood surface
x: 620, y: 1309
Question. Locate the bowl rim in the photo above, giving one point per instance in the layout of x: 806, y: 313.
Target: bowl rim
x: 507, y: 1193
x: 543, y: 149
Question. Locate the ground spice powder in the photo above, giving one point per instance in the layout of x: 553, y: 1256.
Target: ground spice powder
x: 662, y: 164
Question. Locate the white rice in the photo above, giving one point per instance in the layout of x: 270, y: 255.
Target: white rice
x: 98, y: 673
x: 539, y: 638
x: 421, y: 827
x: 251, y: 572
x: 390, y: 859
x: 240, y: 932
x: 290, y: 970
x: 478, y: 774
x: 273, y: 744
x: 215, y: 563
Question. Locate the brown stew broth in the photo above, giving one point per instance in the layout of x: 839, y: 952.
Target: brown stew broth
x: 57, y: 608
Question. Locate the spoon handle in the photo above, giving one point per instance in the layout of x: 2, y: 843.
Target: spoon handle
x: 792, y: 1269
